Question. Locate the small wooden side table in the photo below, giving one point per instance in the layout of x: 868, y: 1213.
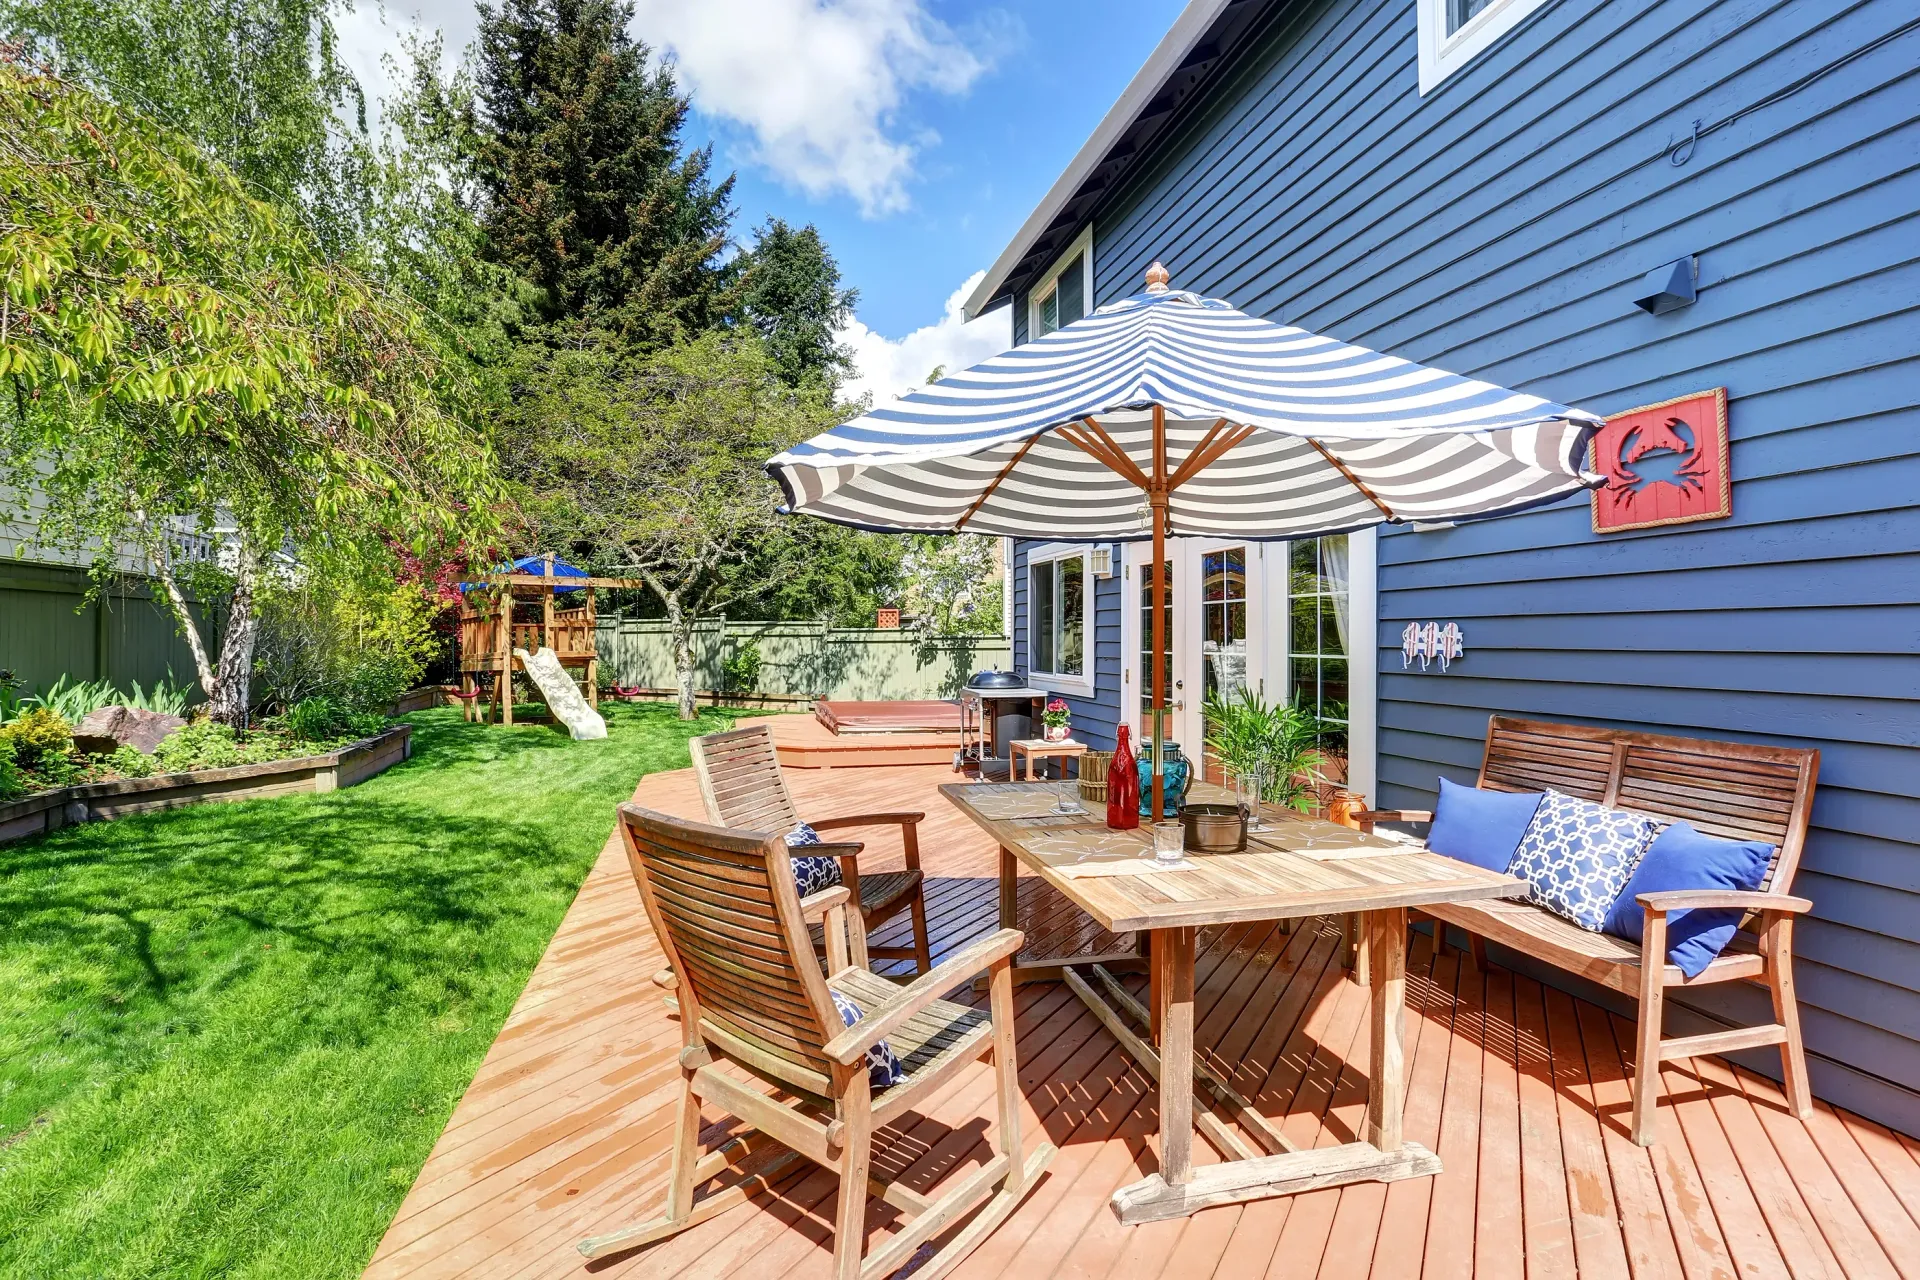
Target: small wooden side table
x: 1041, y: 749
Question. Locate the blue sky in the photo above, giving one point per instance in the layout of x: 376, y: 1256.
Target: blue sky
x: 916, y: 134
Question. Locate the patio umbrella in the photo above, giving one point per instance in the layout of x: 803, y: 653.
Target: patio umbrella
x: 1170, y: 414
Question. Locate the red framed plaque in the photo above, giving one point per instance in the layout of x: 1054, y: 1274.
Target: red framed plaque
x: 1665, y: 464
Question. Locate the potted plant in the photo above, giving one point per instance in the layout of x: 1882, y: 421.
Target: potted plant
x: 1273, y: 746
x: 1057, y: 717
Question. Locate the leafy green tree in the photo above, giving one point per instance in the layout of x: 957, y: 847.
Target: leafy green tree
x: 789, y: 290
x: 181, y: 358
x: 586, y: 191
x: 258, y: 84
x: 651, y: 466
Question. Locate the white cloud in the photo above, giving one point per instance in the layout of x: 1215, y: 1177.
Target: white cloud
x: 888, y: 367
x: 818, y: 84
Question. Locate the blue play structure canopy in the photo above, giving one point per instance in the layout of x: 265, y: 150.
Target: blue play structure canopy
x: 538, y: 565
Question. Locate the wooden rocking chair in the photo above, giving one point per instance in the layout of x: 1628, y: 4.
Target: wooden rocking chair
x: 753, y: 995
x: 740, y: 780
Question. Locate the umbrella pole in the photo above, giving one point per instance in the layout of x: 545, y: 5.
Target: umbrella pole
x: 1157, y: 505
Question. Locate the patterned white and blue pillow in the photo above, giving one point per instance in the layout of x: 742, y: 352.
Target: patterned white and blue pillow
x: 1576, y: 855
x: 811, y: 875
x: 883, y: 1068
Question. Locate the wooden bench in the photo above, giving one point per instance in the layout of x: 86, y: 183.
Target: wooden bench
x: 1727, y: 789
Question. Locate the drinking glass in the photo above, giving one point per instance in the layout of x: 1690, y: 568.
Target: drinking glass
x: 1256, y: 784
x: 1069, y: 801
x: 1169, y: 840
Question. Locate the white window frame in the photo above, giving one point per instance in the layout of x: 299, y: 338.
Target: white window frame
x: 1061, y: 681
x: 1441, y: 54
x: 1082, y: 243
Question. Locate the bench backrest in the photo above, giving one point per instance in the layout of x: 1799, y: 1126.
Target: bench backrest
x: 1732, y: 789
x: 741, y: 782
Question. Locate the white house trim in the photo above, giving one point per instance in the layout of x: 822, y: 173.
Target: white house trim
x: 1441, y: 54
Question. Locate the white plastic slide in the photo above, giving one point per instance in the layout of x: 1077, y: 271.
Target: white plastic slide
x: 562, y: 695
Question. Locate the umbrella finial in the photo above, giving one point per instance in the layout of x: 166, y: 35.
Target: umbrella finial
x: 1157, y: 278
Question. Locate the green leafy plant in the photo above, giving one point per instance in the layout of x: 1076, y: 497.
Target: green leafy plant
x: 41, y: 739
x: 740, y: 673
x: 316, y: 719
x: 130, y: 762
x: 76, y: 700
x: 13, y: 783
x: 166, y: 697
x: 1246, y: 732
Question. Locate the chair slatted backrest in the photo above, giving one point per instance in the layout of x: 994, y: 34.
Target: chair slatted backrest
x: 1736, y: 790
x: 724, y: 906
x: 740, y: 780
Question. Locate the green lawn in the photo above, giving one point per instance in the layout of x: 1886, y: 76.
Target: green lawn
x: 229, y: 1035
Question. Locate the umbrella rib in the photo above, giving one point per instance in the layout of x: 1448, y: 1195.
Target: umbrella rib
x: 1209, y: 451
x: 1108, y: 455
x: 986, y: 493
x: 1354, y: 480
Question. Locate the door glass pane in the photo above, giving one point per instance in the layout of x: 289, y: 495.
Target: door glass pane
x: 1146, y: 643
x: 1224, y: 622
x: 1305, y: 631
x: 1317, y: 643
x: 1040, y: 601
x: 1073, y: 633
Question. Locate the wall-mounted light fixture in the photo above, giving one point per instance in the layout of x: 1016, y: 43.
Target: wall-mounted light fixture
x: 1668, y: 288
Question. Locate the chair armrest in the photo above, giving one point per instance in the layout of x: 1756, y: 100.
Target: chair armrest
x: 852, y: 1044
x: 1366, y: 818
x: 867, y: 820
x: 1746, y: 899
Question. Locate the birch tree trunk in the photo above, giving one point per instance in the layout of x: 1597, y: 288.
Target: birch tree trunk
x: 229, y: 683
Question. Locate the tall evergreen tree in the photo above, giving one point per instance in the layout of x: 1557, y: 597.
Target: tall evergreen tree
x: 588, y: 194
x: 789, y: 289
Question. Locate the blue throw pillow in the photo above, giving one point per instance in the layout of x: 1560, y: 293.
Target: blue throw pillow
x: 1481, y: 827
x: 811, y: 875
x: 883, y: 1068
x: 1684, y: 858
x: 1577, y: 855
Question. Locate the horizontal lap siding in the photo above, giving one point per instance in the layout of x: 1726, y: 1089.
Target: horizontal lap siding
x: 1094, y: 718
x: 1495, y: 227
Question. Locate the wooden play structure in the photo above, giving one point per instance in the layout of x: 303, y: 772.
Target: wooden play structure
x: 514, y: 609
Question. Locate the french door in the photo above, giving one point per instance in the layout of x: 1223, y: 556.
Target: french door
x: 1293, y: 621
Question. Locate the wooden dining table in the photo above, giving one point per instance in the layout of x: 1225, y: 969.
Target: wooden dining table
x: 1297, y: 867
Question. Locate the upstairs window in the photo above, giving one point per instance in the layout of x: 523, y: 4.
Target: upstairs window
x: 1454, y: 32
x: 1065, y: 293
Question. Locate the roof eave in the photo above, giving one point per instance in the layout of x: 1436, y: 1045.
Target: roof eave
x: 1168, y: 57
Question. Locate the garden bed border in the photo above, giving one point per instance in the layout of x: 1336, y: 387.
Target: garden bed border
x: 123, y: 797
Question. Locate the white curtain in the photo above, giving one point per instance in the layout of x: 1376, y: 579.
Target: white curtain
x: 1333, y: 571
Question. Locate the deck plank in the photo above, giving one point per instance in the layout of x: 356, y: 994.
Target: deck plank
x: 1521, y: 1089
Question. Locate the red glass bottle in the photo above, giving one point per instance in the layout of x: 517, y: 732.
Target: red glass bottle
x: 1123, y: 787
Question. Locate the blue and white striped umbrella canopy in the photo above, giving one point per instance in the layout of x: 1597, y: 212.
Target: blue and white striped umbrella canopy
x: 1321, y: 436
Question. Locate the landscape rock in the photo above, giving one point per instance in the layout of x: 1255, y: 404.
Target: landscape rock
x: 110, y: 727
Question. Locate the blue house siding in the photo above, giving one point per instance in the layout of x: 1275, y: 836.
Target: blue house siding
x: 1094, y: 718
x: 1494, y: 227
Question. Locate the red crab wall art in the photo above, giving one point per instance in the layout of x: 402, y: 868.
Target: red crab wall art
x: 1665, y: 464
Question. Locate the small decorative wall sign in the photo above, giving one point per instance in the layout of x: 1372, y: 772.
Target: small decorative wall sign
x: 1665, y: 464
x: 1428, y: 641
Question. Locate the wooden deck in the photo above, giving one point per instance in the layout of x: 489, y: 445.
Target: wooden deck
x: 804, y: 743
x: 1520, y: 1089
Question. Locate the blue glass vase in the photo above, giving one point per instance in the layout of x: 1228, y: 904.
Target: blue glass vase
x: 1176, y: 776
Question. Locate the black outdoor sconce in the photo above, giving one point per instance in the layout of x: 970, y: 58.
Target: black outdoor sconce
x: 1668, y: 288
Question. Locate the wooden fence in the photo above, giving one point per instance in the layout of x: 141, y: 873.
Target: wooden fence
x: 801, y: 659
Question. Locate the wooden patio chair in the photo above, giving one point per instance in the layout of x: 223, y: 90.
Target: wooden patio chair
x: 740, y: 780
x: 754, y: 997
